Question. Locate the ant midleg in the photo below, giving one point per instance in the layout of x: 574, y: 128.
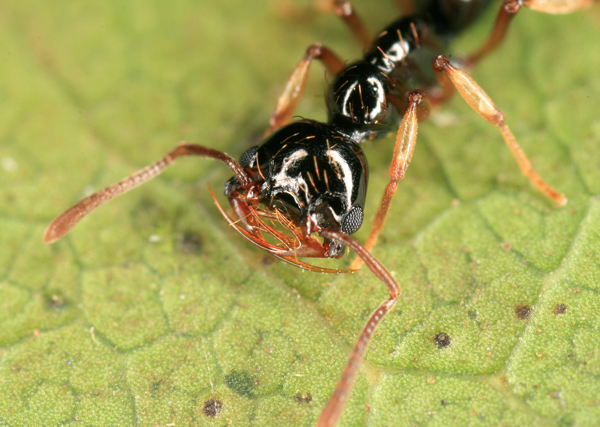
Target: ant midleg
x: 68, y: 219
x: 296, y: 82
x: 404, y: 147
x: 482, y: 104
x: 331, y: 413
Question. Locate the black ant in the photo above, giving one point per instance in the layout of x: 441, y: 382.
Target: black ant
x: 301, y: 192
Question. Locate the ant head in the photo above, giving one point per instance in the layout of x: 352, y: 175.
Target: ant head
x: 331, y: 213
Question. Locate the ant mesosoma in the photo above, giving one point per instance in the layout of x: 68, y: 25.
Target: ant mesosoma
x: 301, y: 192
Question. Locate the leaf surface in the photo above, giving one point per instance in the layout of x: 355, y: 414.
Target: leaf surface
x: 153, y: 312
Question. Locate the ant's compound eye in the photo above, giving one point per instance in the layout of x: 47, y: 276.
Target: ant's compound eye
x: 353, y: 220
x: 247, y: 159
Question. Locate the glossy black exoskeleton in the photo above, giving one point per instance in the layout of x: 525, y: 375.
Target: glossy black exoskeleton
x: 315, y: 173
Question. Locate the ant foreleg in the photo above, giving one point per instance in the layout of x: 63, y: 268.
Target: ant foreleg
x: 403, y: 151
x: 508, y: 11
x: 331, y: 413
x: 480, y: 102
x: 62, y: 224
x: 296, y: 82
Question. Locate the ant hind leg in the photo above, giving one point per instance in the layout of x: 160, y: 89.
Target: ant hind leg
x: 509, y: 10
x: 483, y: 105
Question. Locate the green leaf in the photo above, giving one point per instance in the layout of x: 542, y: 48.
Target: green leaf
x: 154, y: 312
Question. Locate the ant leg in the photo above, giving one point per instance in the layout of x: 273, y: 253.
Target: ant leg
x: 403, y: 151
x: 345, y: 11
x: 445, y: 91
x: 62, y: 224
x: 480, y: 102
x: 296, y: 82
x: 333, y: 410
x: 555, y: 7
x: 508, y: 11
x: 407, y: 6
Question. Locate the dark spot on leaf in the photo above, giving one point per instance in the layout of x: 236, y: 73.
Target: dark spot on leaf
x: 303, y: 398
x: 267, y: 260
x: 189, y: 243
x: 56, y: 302
x: 560, y: 309
x: 145, y: 205
x: 157, y: 384
x: 240, y: 382
x: 442, y: 340
x: 523, y: 311
x: 212, y: 408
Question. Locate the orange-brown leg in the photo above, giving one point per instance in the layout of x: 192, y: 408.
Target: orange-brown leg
x: 68, y: 219
x: 508, y: 11
x: 556, y: 6
x: 480, y: 102
x: 407, y: 6
x: 333, y: 410
x: 345, y: 11
x: 296, y: 82
x: 403, y: 151
x: 446, y: 89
